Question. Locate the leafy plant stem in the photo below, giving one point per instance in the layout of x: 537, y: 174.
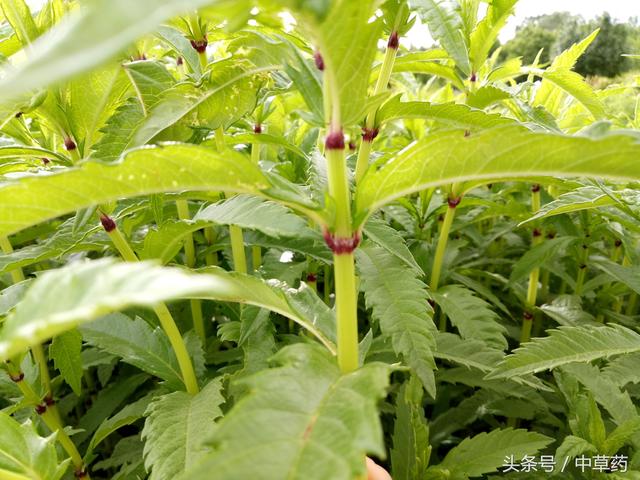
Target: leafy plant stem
x: 235, y: 232
x: 441, y: 249
x: 364, y: 153
x: 237, y: 249
x: 327, y: 284
x: 50, y: 418
x: 17, y: 276
x: 190, y: 254
x: 344, y: 267
x: 346, y: 312
x: 256, y: 250
x: 166, y: 320
x: 534, y: 276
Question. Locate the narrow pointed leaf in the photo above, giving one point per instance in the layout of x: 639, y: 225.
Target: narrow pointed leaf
x: 141, y: 172
x: 137, y: 343
x: 485, y: 452
x: 499, y: 153
x: 445, y: 24
x: 472, y: 316
x: 399, y: 302
x: 568, y: 345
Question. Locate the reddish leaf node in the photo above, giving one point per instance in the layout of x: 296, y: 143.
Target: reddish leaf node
x: 369, y: 134
x: 108, y: 223
x: 200, y: 46
x: 394, y: 41
x: 69, y: 144
x: 340, y: 245
x: 335, y: 141
x: 257, y: 128
x: 317, y: 58
x: 454, y: 202
x: 17, y: 378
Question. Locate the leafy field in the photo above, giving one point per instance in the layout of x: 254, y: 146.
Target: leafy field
x: 267, y: 240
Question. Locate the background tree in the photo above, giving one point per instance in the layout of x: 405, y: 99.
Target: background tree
x: 556, y: 32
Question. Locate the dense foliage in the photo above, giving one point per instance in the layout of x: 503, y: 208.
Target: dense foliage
x: 549, y: 35
x: 247, y: 239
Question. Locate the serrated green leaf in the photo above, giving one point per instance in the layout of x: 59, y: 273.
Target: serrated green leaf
x: 59, y: 300
x: 411, y: 449
x: 399, y: 302
x: 131, y: 413
x: 164, y: 242
x: 573, y: 446
x: 137, y: 343
x: 499, y: 153
x: 65, y: 352
x: 90, y: 101
x: 630, y: 276
x: 108, y: 400
x: 623, y: 370
x: 470, y: 352
x: 26, y: 456
x: 472, y: 316
x: 63, y: 242
x: 450, y: 114
x: 416, y: 63
x: 347, y: 40
x: 567, y: 311
x: 551, y: 94
x: 385, y: 236
x: 568, y: 345
x: 254, y: 213
x: 583, y: 198
x: 486, y: 33
x: 141, y: 172
x: 575, y: 85
x: 538, y: 255
x: 176, y: 428
x: 176, y: 39
x: 445, y: 24
x: 485, y: 452
x: 299, y: 419
x: 18, y: 14
x: 301, y: 305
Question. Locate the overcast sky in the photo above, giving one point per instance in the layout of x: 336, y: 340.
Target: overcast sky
x: 620, y: 9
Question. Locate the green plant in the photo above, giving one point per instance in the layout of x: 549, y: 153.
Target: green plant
x: 207, y: 272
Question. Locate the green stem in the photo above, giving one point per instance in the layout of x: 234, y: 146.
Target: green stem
x: 177, y: 342
x: 50, y: 418
x: 534, y: 276
x: 39, y: 356
x: 256, y: 251
x: 190, y: 254
x: 364, y: 154
x: 210, y: 237
x: 166, y: 320
x: 235, y: 232
x: 327, y: 284
x: 237, y: 249
x: 441, y: 249
x: 344, y: 269
x: 346, y: 312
